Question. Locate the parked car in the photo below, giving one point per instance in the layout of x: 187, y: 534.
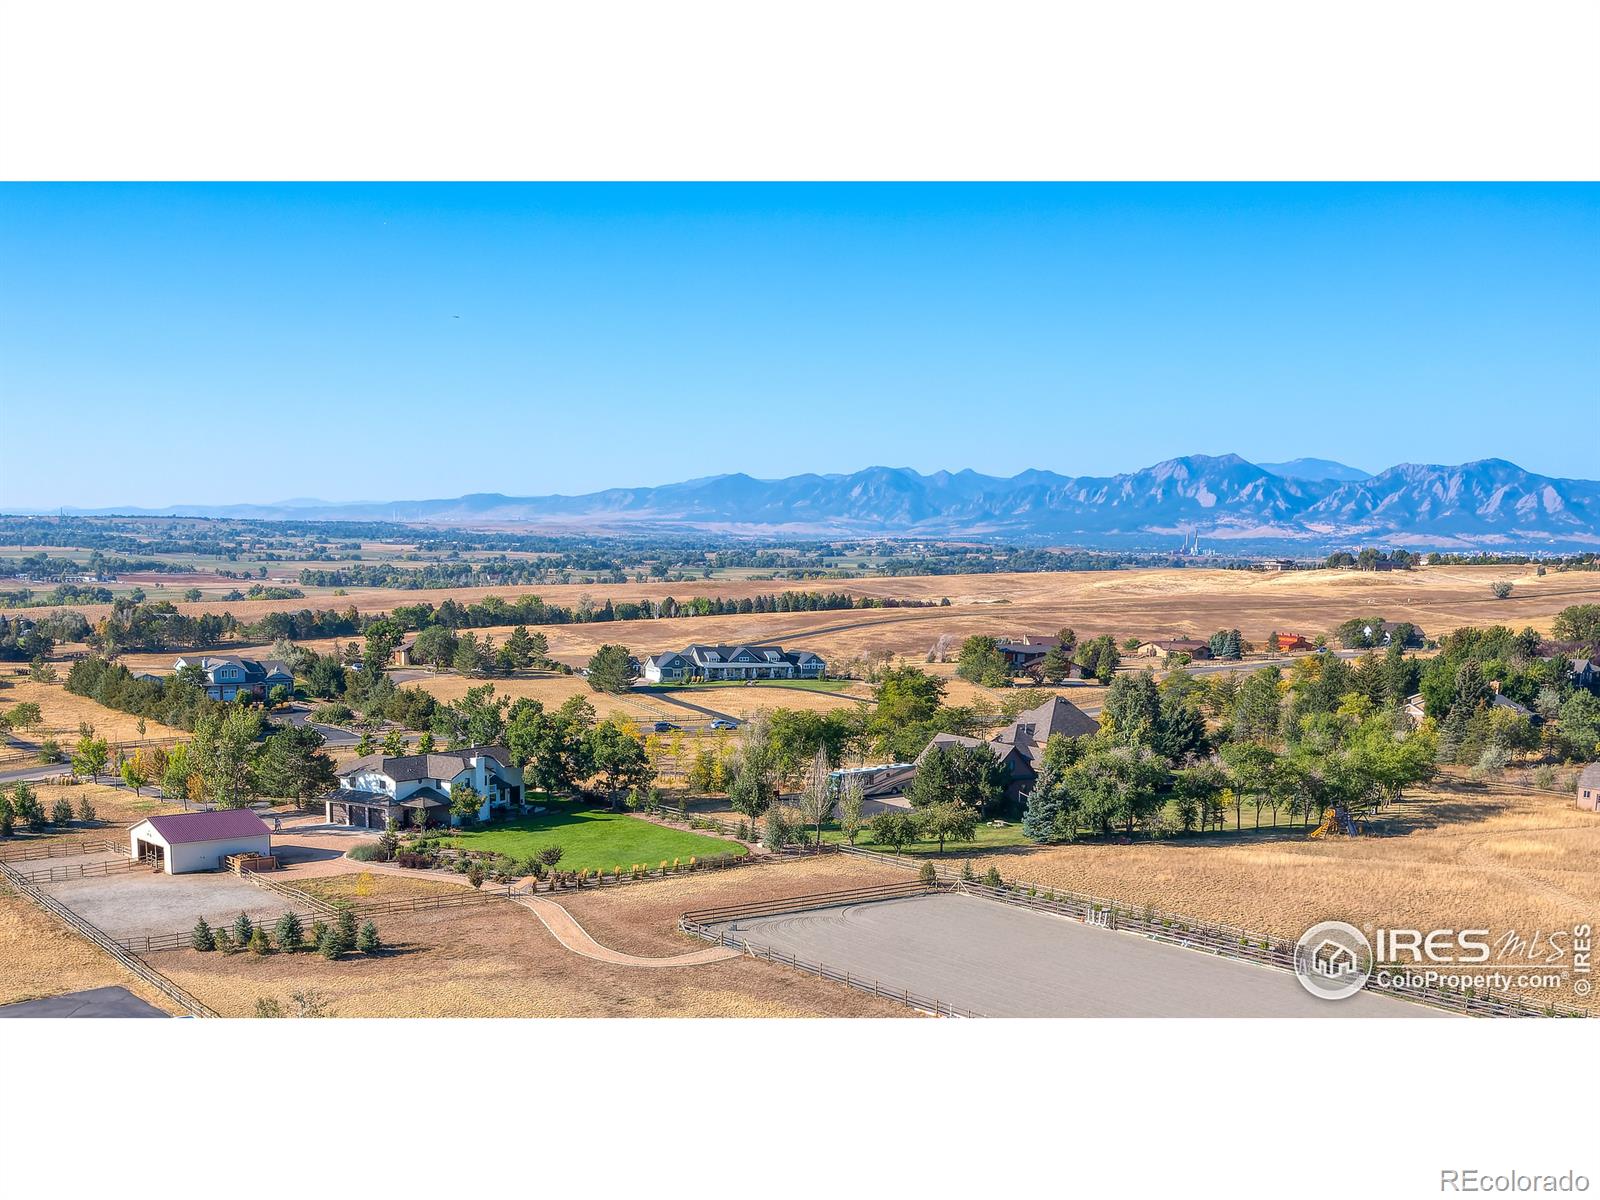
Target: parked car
x: 724, y: 723
x: 666, y: 727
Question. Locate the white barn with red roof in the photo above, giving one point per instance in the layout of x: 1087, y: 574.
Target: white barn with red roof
x: 199, y: 841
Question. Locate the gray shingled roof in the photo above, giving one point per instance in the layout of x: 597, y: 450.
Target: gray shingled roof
x: 441, y: 764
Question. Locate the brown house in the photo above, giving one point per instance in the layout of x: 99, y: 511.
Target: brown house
x: 1020, y: 745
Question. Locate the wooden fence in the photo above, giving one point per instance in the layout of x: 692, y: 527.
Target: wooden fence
x: 115, y: 866
x: 118, y: 951
x: 61, y: 848
x: 292, y: 894
x: 816, y: 900
x: 383, y: 908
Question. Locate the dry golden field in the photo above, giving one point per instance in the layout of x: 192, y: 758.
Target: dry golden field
x: 39, y: 956
x: 497, y: 960
x: 62, y: 711
x: 1454, y: 855
x: 1141, y: 603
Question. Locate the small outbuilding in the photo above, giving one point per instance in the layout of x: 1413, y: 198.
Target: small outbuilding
x: 1589, y: 787
x: 198, y: 841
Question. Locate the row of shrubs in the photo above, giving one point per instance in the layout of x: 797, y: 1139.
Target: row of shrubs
x: 331, y: 941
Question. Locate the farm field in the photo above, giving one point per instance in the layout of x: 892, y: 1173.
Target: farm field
x: 1143, y: 603
x: 593, y: 839
x: 61, y: 712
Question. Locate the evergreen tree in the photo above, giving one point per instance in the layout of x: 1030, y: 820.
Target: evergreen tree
x: 201, y: 938
x: 367, y: 939
x: 1055, y: 666
x: 344, y: 928
x: 611, y: 669
x: 287, y: 932
x: 328, y: 945
x: 243, y: 929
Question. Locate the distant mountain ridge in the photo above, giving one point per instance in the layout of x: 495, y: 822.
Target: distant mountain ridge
x: 1222, y: 499
x: 1317, y: 469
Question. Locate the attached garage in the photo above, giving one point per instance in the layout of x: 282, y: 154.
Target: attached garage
x: 198, y: 841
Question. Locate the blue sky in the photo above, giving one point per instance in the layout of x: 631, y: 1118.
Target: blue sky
x: 213, y: 344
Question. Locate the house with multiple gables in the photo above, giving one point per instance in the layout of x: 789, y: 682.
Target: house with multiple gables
x: 227, y: 675
x: 698, y: 663
x: 414, y: 789
x: 1020, y: 746
x: 1024, y: 655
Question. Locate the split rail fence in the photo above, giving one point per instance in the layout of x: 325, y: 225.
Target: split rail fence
x: 118, y: 951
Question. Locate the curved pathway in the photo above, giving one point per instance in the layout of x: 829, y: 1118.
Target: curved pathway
x: 566, y: 930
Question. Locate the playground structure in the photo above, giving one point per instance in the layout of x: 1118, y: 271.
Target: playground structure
x: 1337, y: 820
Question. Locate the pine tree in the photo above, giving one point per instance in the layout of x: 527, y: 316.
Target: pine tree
x: 367, y: 939
x: 201, y: 938
x: 344, y: 930
x: 287, y: 933
x: 258, y: 941
x: 328, y: 946
x: 61, y: 812
x: 1042, y: 808
x: 243, y: 929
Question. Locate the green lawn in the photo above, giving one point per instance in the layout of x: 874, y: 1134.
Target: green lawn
x: 594, y: 838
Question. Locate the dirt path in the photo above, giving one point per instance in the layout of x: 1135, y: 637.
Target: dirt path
x: 566, y: 930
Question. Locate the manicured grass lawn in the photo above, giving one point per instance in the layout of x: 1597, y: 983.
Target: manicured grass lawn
x: 592, y: 838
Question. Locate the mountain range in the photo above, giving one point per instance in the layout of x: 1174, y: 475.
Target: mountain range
x: 1223, y: 500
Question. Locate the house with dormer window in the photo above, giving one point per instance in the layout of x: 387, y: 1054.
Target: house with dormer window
x: 415, y: 789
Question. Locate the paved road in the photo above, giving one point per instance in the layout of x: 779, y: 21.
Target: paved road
x: 335, y: 736
x: 1210, y: 667
x: 999, y: 960
x: 41, y: 771
x: 708, y: 713
x: 96, y: 1002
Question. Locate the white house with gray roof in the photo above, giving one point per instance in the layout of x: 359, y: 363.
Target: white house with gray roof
x: 697, y: 663
x: 415, y: 789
